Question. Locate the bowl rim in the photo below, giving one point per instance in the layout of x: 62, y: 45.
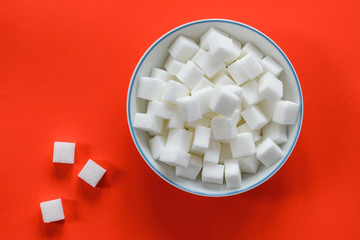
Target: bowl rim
x: 133, y: 135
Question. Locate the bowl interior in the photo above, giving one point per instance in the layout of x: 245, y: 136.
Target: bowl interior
x: 155, y: 57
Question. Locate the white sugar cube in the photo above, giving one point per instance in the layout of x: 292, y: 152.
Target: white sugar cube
x: 203, y: 97
x: 270, y: 87
x: 251, y: 65
x: 225, y: 152
x: 160, y: 109
x: 192, y: 171
x: 254, y: 117
x: 189, y: 108
x: 175, y: 121
x: 270, y: 65
x: 223, y: 48
x: 172, y: 65
x: 179, y: 139
x: 174, y: 90
x: 190, y: 74
x: 233, y: 89
x: 245, y: 128
x: 268, y: 108
x: 212, y: 154
x: 236, y: 116
x: 223, y: 128
x: 213, y: 173
x: 52, y: 210
x: 198, y: 54
x: 237, y: 72
x: 249, y: 164
x: 232, y: 173
x: 209, y: 34
x: 286, y: 112
x: 175, y: 157
x: 201, y: 139
x: 149, y: 88
x: 156, y: 145
x: 210, y: 65
x: 242, y: 145
x: 203, y: 83
x: 251, y: 48
x: 183, y: 48
x: 148, y: 122
x: 268, y: 152
x: 223, y: 102
x: 250, y: 93
x: 205, y: 122
x: 275, y: 131
x: 222, y: 79
x: 64, y: 152
x: 92, y: 173
x: 161, y: 74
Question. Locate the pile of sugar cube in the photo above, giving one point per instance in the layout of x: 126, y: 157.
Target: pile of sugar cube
x: 64, y: 152
x: 216, y: 106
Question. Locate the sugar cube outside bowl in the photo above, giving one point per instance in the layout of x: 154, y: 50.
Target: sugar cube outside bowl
x: 155, y: 57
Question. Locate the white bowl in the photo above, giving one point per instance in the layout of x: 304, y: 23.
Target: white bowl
x: 155, y: 57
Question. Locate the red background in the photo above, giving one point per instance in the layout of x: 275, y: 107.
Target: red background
x: 65, y: 67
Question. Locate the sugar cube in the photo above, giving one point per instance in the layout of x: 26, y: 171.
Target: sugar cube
x: 150, y: 88
x: 175, y: 157
x: 203, y: 97
x: 179, y: 139
x: 251, y: 65
x: 210, y: 65
x: 242, y: 145
x: 268, y: 152
x: 250, y: 93
x: 52, y: 210
x: 183, y: 48
x: 223, y: 128
x: 160, y: 109
x: 209, y: 34
x: 192, y: 171
x: 222, y: 79
x: 92, y: 173
x: 161, y: 74
x: 190, y: 74
x: 275, y: 131
x: 286, y: 112
x: 254, y: 117
x: 213, y: 173
x: 205, y: 122
x: 212, y: 154
x: 237, y: 72
x: 156, y: 145
x: 203, y: 83
x: 201, y: 139
x: 189, y: 108
x: 232, y: 173
x: 245, y: 128
x: 223, y: 48
x: 270, y: 87
x: 174, y: 90
x: 249, y: 164
x: 148, y: 122
x: 223, y: 102
x: 251, y: 48
x: 172, y: 65
x: 175, y: 121
x: 64, y: 152
x: 270, y: 65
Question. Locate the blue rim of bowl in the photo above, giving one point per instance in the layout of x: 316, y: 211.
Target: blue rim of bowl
x: 133, y: 77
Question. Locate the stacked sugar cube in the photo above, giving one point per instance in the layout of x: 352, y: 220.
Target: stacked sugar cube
x: 215, y: 107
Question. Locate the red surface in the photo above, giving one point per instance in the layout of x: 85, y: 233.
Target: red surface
x: 64, y: 71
